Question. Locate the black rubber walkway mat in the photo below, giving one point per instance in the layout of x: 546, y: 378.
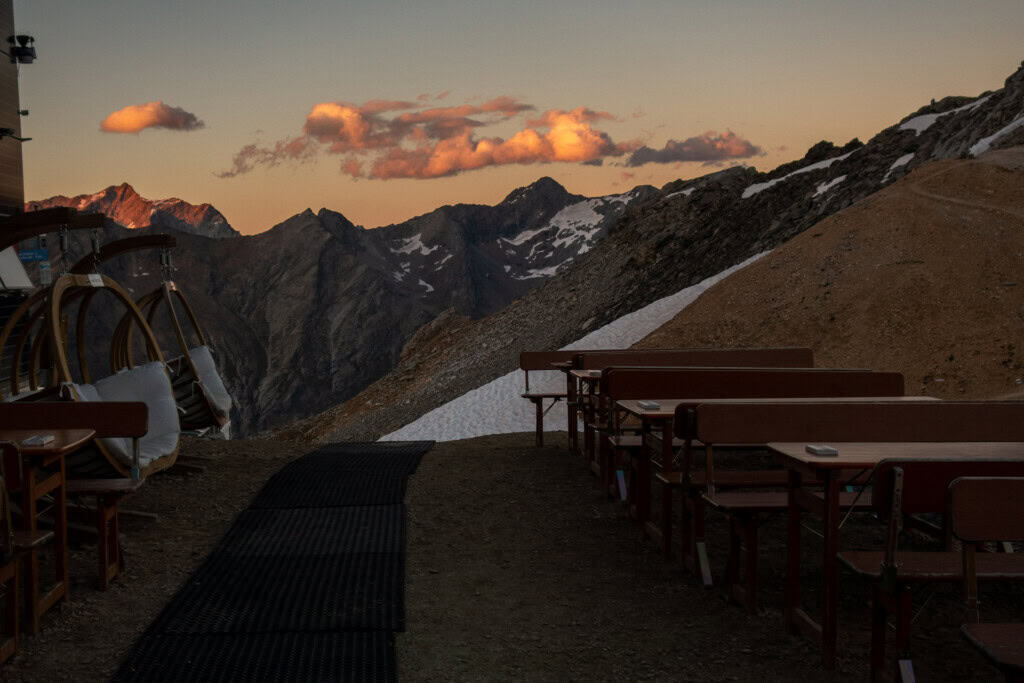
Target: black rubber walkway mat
x: 347, y: 656
x: 242, y: 594
x: 398, y: 457
x: 317, y: 531
x: 306, y: 585
x: 323, y: 487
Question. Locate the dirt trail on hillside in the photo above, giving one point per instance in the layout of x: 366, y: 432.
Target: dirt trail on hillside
x: 917, y: 188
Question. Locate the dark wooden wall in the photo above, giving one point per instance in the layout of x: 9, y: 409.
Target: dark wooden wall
x: 12, y: 187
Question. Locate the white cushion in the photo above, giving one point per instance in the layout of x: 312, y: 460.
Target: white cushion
x: 212, y: 383
x: 147, y: 383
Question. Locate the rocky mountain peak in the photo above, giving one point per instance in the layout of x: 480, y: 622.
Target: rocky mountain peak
x: 544, y: 188
x: 126, y: 207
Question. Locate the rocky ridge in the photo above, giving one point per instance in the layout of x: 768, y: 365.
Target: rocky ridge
x: 124, y: 206
x: 693, y: 229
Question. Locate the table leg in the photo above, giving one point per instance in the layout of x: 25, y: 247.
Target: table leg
x: 538, y: 404
x: 36, y: 602
x: 640, y: 503
x: 28, y: 523
x: 60, y: 531
x: 666, y: 489
x: 792, y: 598
x: 570, y: 409
x: 830, y: 571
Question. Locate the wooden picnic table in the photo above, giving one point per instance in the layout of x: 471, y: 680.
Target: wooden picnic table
x: 38, y: 471
x: 657, y: 441
x: 806, y: 471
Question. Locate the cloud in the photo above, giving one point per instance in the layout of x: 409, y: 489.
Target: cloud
x: 251, y: 156
x: 137, y: 117
x: 709, y: 147
x: 386, y: 139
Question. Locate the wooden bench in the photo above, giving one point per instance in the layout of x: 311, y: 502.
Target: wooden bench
x: 534, y: 361
x: 836, y: 421
x: 108, y: 419
x: 696, y: 384
x: 695, y: 357
x: 769, y: 357
x: 986, y: 509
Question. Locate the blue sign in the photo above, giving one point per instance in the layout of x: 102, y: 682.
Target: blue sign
x: 29, y: 255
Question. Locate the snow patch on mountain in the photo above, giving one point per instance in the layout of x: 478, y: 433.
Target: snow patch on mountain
x: 825, y: 187
x: 921, y: 123
x: 686, y: 193
x: 902, y: 161
x: 751, y: 190
x: 540, y: 272
x: 415, y: 244
x: 983, y: 145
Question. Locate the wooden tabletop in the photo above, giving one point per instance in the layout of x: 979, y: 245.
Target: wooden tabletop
x: 667, y: 407
x: 64, y: 440
x: 586, y: 374
x: 864, y: 455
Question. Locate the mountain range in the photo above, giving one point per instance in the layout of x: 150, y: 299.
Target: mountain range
x: 308, y: 314
x: 694, y: 229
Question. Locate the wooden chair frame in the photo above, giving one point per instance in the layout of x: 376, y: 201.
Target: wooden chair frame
x: 989, y: 509
x: 70, y: 285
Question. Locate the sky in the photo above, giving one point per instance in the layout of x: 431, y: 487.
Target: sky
x: 384, y: 110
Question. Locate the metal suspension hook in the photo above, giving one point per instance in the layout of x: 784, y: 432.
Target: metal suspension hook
x: 165, y: 262
x: 64, y: 235
x: 94, y: 237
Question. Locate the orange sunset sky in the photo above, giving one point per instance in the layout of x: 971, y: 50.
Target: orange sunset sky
x: 385, y: 110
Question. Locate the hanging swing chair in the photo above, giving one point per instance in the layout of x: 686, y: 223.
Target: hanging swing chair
x: 24, y: 325
x: 147, y: 382
x: 203, y: 401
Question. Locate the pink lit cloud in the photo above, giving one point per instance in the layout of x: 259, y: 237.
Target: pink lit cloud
x: 138, y: 117
x: 384, y: 139
x: 710, y: 146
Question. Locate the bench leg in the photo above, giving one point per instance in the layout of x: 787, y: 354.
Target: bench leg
x: 108, y: 538
x: 643, y: 488
x: 538, y: 405
x: 904, y: 615
x: 743, y: 536
x: 9, y: 578
x: 879, y: 619
x: 749, y: 528
x: 694, y: 550
x: 666, y: 519
x: 604, y: 453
